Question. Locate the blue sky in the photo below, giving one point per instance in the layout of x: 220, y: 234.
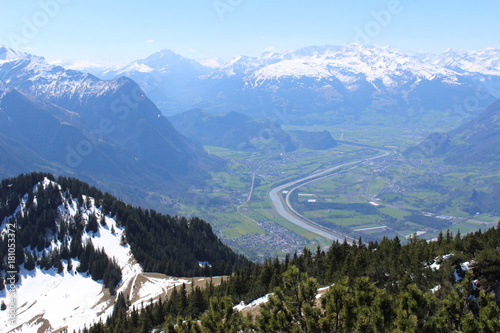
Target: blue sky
x: 121, y: 31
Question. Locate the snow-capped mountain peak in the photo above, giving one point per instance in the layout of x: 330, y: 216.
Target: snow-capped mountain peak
x: 212, y: 62
x: 326, y: 77
x: 165, y: 60
x: 351, y: 62
x: 35, y: 76
x: 8, y: 54
x: 485, y: 61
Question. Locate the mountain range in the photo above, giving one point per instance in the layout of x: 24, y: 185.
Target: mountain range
x: 476, y: 142
x: 162, y: 75
x: 84, y: 256
x: 104, y: 131
x: 352, y: 84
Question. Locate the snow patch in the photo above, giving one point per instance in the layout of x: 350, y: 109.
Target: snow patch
x: 67, y: 299
x: 149, y: 288
x: 436, y: 265
x: 242, y: 306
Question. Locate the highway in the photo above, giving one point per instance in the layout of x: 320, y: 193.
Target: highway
x: 285, y: 209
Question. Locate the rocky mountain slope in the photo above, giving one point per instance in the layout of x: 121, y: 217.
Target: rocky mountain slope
x: 108, y: 132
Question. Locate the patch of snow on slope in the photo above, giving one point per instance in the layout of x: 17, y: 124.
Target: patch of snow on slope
x: 66, y: 299
x: 257, y: 302
x: 148, y: 288
x: 72, y: 299
x: 264, y: 299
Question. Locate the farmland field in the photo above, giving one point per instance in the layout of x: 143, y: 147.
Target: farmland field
x: 386, y: 197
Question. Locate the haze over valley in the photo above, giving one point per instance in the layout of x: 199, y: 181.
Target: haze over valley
x: 175, y: 182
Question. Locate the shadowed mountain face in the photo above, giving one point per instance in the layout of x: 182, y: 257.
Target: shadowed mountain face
x: 475, y: 142
x: 233, y: 130
x: 478, y: 141
x: 107, y: 132
x: 314, y: 140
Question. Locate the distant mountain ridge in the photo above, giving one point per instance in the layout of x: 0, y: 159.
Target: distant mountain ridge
x: 479, y: 139
x: 334, y: 84
x: 319, y: 140
x: 475, y: 142
x: 163, y: 75
x: 108, y: 132
x: 233, y: 130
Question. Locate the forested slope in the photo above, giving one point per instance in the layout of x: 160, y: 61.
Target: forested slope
x: 446, y: 285
x: 52, y: 215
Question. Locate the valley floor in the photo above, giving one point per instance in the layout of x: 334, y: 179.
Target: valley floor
x: 388, y: 196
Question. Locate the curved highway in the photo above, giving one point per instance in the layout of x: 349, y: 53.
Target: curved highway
x: 285, y: 209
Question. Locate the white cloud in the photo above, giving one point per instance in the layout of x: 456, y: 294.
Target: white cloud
x: 150, y: 41
x: 84, y: 64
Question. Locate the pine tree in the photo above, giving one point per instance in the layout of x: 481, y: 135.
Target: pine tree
x: 60, y: 267
x: 70, y: 265
x: 30, y: 262
x: 222, y: 317
x: 292, y: 305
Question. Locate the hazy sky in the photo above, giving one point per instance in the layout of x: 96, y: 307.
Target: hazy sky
x: 120, y: 31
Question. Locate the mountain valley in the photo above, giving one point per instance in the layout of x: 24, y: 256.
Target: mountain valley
x: 393, y: 152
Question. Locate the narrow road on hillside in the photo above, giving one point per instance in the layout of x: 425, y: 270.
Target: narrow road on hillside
x: 249, y: 197
x: 285, y: 209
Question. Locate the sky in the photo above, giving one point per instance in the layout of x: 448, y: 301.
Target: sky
x: 122, y: 31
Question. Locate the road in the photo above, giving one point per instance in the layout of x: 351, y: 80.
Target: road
x: 285, y: 209
x: 249, y: 197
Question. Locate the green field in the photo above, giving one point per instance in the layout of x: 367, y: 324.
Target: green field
x: 396, y: 213
x: 413, y: 195
x: 409, y: 198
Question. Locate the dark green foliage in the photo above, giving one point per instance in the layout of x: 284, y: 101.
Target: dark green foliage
x: 99, y: 266
x: 487, y: 267
x: 428, y: 221
x: 166, y: 244
x: 374, y: 287
x: 161, y: 243
x: 175, y: 245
